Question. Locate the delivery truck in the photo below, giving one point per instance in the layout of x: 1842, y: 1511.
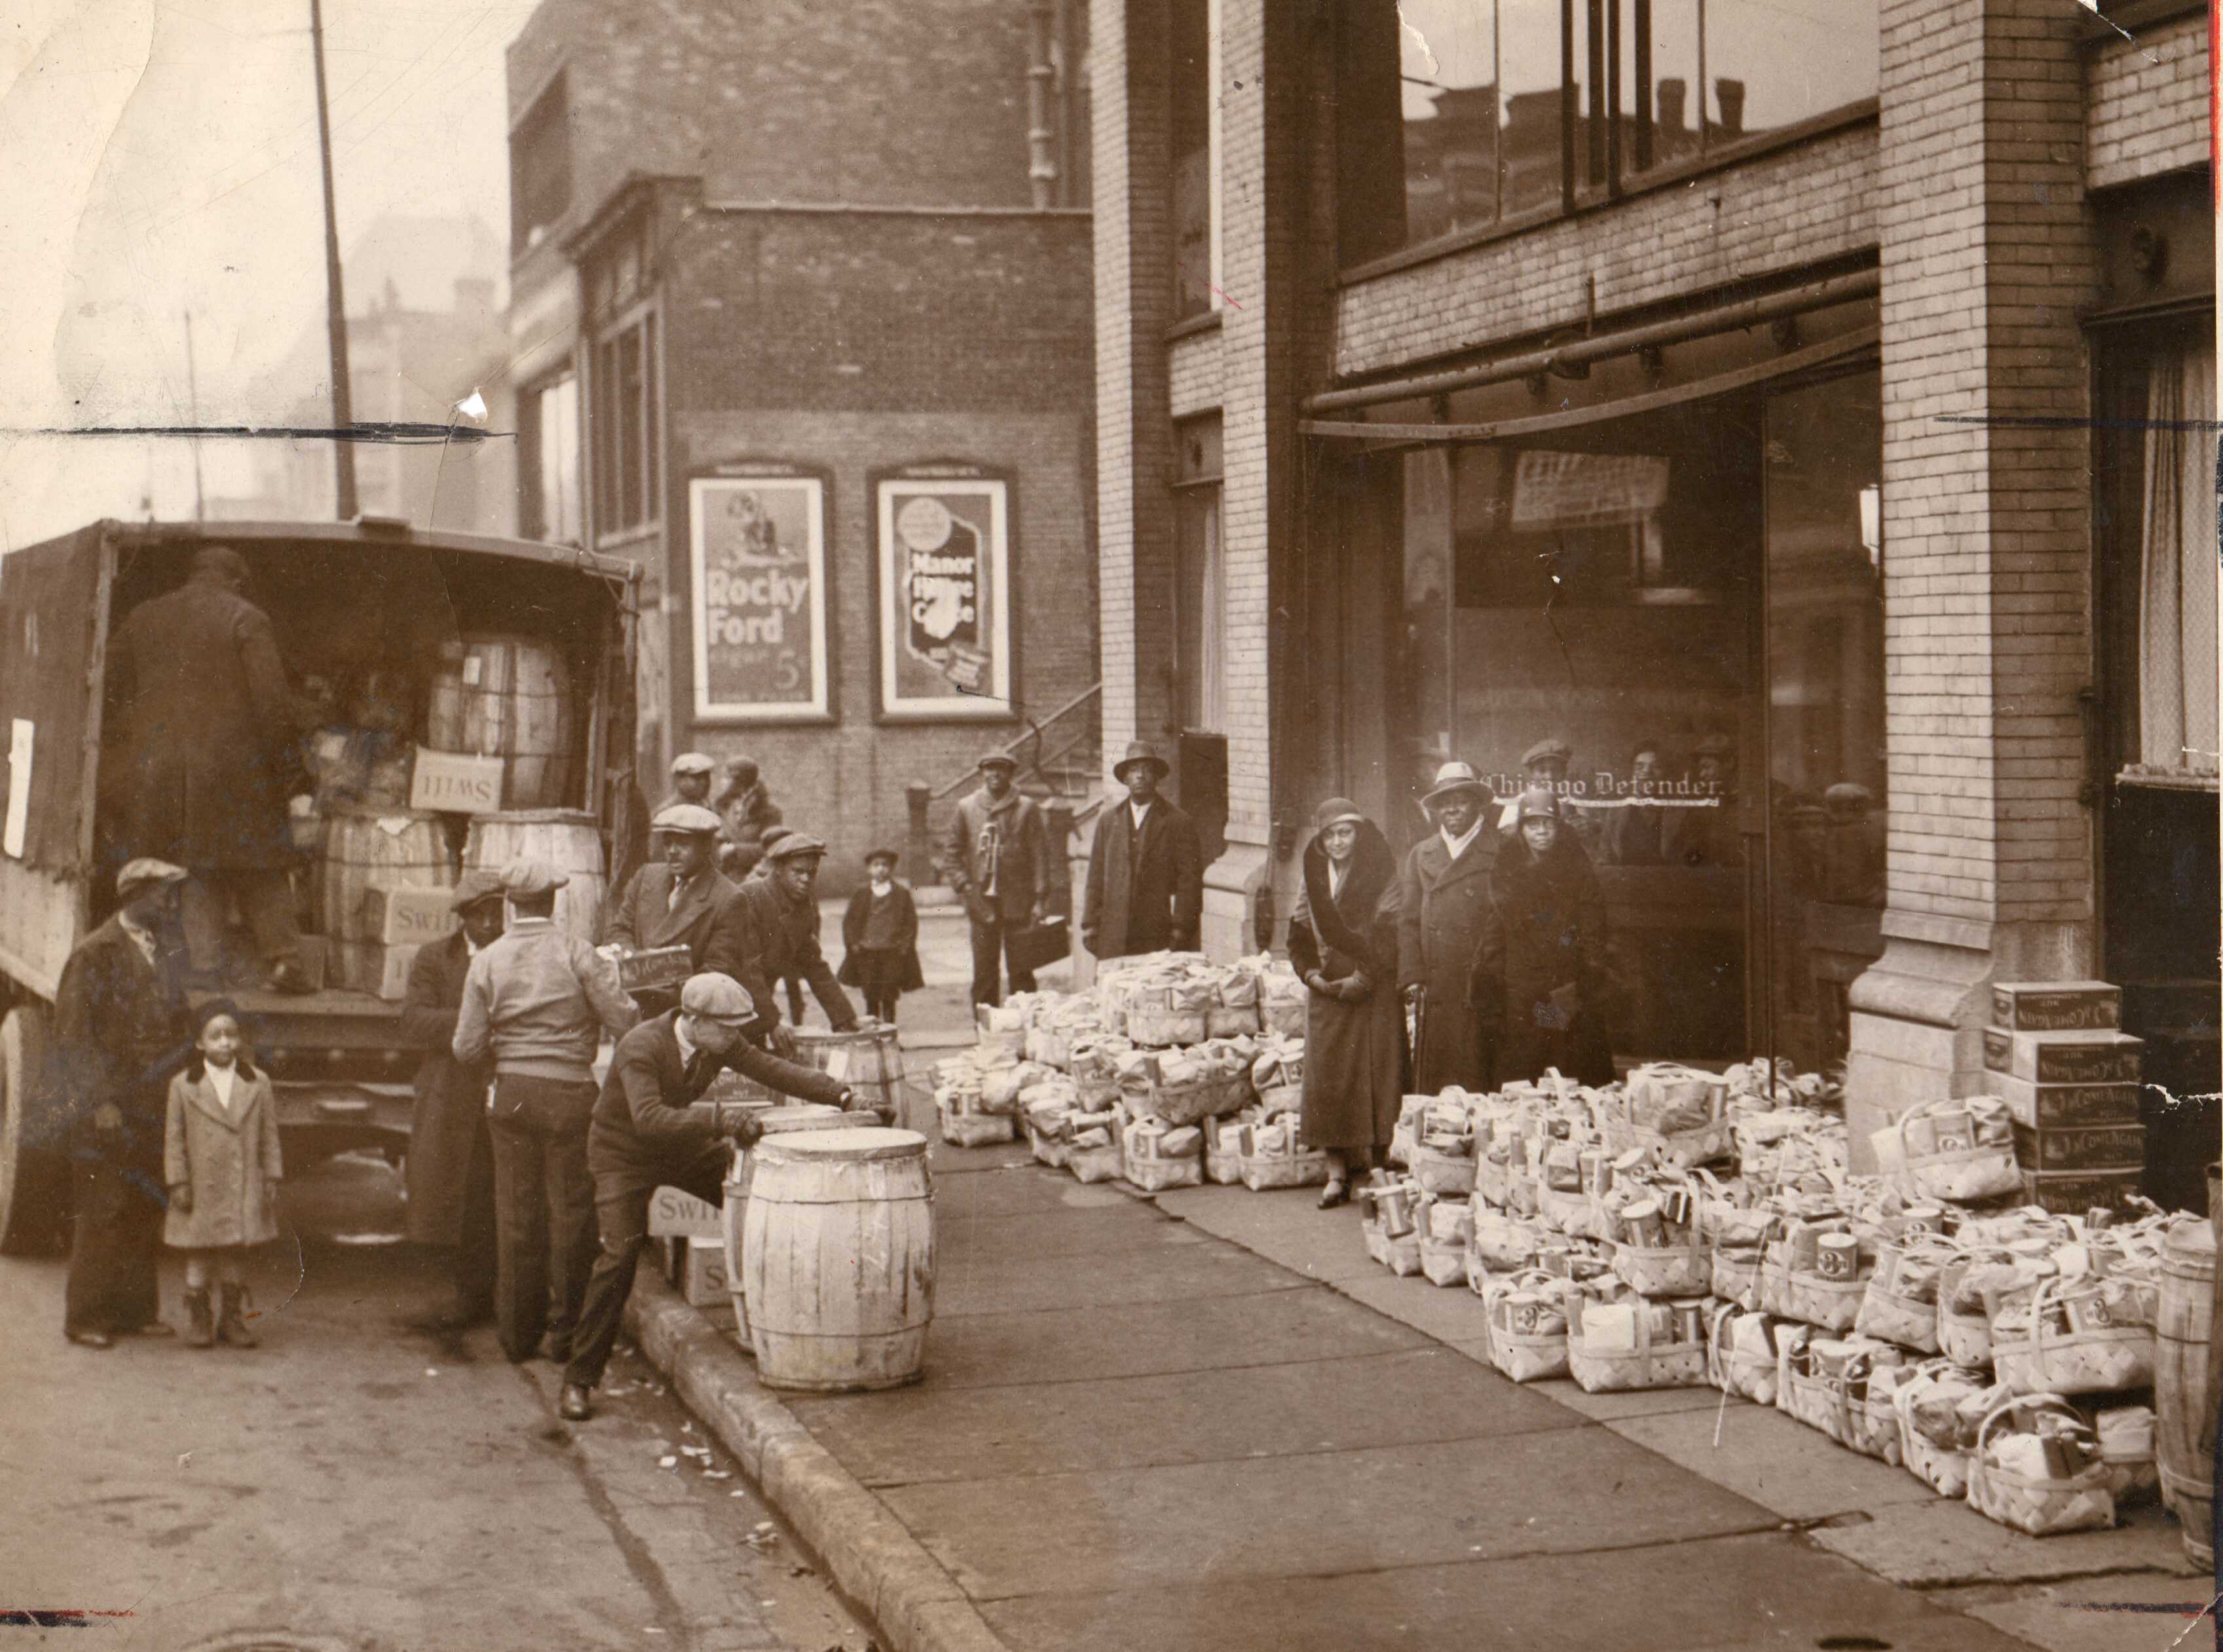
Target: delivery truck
x: 473, y: 703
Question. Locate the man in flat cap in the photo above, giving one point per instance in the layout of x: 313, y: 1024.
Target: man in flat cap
x: 783, y: 929
x: 1444, y: 893
x: 206, y: 732
x: 451, y: 1163
x: 121, y: 1031
x: 750, y: 817
x: 995, y: 856
x: 691, y: 774
x: 682, y: 899
x: 538, y: 1001
x: 1145, y: 891
x: 646, y: 1137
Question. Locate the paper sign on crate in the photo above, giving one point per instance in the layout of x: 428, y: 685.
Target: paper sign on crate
x: 673, y: 1213
x: 408, y: 916
x: 452, y: 783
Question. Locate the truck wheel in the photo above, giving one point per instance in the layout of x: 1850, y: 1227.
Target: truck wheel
x: 34, y: 1178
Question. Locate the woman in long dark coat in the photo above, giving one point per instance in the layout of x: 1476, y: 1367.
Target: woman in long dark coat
x: 1343, y: 944
x: 1541, y: 981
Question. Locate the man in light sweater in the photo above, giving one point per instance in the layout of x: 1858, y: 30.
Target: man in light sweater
x: 539, y: 999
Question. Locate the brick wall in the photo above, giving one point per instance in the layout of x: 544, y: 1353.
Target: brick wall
x: 1197, y: 373
x: 2146, y: 116
x: 1799, y: 206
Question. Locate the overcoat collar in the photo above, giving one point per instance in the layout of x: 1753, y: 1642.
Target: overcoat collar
x: 201, y: 1094
x: 1436, y: 868
x: 672, y: 921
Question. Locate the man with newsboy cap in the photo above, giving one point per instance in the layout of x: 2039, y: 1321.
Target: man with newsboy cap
x: 120, y: 1032
x: 691, y: 774
x: 995, y: 856
x: 1145, y: 891
x: 1443, y: 895
x: 644, y: 1136
x: 538, y: 1001
x: 682, y: 899
x: 782, y: 936
x: 451, y: 1163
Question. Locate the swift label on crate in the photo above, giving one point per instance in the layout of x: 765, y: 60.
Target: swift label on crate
x: 2063, y: 1058
x: 673, y: 1213
x: 2055, y: 1006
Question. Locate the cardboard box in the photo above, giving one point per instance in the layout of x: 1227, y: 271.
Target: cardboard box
x: 455, y: 784
x: 2046, y: 1106
x: 2057, y: 1006
x: 409, y: 915
x: 656, y: 966
x: 2073, y: 1147
x: 673, y: 1213
x: 394, y: 975
x: 2064, y: 1058
x: 2074, y: 1191
x: 703, y: 1278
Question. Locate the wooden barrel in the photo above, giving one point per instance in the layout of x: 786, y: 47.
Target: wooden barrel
x: 837, y: 1259
x: 869, y: 1061
x: 509, y: 698
x: 394, y: 848
x: 2183, y: 1335
x: 563, y: 838
x: 802, y: 1115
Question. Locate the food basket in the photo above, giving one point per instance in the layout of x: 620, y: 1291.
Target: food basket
x: 2094, y: 1355
x: 1528, y: 1326
x: 1651, y: 1363
x: 2040, y: 1503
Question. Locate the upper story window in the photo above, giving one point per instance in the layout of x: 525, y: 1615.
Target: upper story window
x: 625, y: 426
x: 1459, y: 115
x: 1193, y: 132
x: 540, y: 167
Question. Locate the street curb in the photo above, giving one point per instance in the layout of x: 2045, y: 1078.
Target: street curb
x: 913, y: 1604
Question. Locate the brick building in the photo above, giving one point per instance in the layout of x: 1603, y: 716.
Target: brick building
x: 801, y: 319
x: 1715, y: 383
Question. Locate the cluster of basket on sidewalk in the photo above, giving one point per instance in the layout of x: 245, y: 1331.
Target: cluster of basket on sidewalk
x: 1686, y: 1228
x: 1169, y: 1071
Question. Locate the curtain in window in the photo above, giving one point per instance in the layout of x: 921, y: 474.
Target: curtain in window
x: 2176, y: 619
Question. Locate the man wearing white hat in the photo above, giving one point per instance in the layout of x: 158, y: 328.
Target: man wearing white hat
x: 1443, y: 895
x: 539, y: 999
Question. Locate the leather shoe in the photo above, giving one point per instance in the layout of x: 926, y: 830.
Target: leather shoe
x: 577, y: 1405
x: 93, y: 1339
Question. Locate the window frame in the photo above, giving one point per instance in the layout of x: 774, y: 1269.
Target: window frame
x: 605, y: 475
x: 1203, y: 487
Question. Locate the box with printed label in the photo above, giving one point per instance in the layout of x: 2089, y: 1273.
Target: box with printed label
x: 394, y: 973
x: 2057, y: 1006
x: 2072, y: 1193
x: 2064, y: 1058
x: 408, y: 915
x: 455, y: 783
x: 2044, y: 1106
x: 704, y: 1284
x: 673, y: 1213
x: 2072, y: 1147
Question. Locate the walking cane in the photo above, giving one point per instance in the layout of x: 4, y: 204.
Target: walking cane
x: 1416, y: 1027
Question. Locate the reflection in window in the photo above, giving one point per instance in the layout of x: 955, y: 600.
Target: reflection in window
x: 1193, y: 118
x: 1773, y: 63
x: 1447, y: 75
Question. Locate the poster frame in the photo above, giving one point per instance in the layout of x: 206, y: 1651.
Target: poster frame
x: 816, y: 485
x: 887, y: 484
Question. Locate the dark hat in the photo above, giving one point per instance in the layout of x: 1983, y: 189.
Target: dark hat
x: 717, y: 998
x: 473, y: 886
x: 219, y: 559
x: 889, y: 855
x: 1538, y: 801
x: 999, y: 760
x: 1546, y: 748
x: 1335, y: 811
x: 687, y: 817
x: 1714, y: 746
x: 1453, y: 777
x: 1141, y: 751
x: 771, y: 834
x: 793, y: 845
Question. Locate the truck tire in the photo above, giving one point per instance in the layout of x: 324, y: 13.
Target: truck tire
x: 33, y: 1176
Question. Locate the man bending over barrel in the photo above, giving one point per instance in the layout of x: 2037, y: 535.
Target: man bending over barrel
x: 644, y: 1137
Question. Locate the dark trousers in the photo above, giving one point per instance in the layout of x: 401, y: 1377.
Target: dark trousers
x: 114, y: 1246
x: 472, y: 1261
x: 544, y: 1210
x: 265, y: 900
x: 992, y: 946
x: 621, y: 1212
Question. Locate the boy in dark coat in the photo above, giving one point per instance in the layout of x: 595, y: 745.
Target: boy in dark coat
x: 451, y: 1163
x: 880, y: 936
x: 1145, y: 868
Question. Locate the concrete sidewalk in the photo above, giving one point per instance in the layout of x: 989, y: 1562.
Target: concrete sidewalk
x: 1207, y: 1420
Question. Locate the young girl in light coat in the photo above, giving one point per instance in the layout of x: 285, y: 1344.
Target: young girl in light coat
x: 222, y: 1164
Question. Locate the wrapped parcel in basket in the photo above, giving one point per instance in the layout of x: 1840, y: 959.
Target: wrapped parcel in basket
x: 1161, y: 1156
x: 1527, y: 1314
x: 2074, y: 1337
x: 1617, y: 1340
x: 1962, y: 1150
x: 1276, y: 1156
x: 2036, y: 1466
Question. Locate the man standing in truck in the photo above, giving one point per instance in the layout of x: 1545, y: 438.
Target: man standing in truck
x: 208, y: 727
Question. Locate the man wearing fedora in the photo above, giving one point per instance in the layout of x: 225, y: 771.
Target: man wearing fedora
x: 995, y: 856
x: 1145, y: 868
x: 1443, y: 895
x: 451, y: 1163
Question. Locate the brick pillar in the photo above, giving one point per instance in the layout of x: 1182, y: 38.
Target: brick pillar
x: 1988, y: 251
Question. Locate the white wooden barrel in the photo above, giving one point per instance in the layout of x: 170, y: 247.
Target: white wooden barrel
x: 362, y: 846
x: 800, y: 1115
x: 2183, y: 1343
x: 838, y: 1259
x: 869, y: 1061
x: 510, y: 697
x: 564, y: 838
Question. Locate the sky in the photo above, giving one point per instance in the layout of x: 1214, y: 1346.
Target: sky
x: 159, y: 157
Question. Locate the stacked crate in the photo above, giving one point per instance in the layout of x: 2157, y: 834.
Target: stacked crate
x: 2056, y: 1054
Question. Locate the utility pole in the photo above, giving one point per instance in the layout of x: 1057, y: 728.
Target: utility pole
x: 335, y: 299
x: 194, y: 412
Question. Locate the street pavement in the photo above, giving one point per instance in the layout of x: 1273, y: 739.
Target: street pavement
x: 355, y: 1485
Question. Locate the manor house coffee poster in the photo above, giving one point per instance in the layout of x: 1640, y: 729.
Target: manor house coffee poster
x: 945, y: 597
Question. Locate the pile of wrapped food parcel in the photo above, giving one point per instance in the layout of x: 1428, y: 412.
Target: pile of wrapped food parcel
x: 1170, y: 1070
x: 1685, y: 1228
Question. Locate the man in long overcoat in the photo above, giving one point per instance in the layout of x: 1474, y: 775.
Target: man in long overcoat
x: 681, y: 899
x: 120, y: 1032
x: 207, y: 730
x: 995, y: 856
x: 450, y: 1164
x: 1443, y: 895
x: 1145, y: 868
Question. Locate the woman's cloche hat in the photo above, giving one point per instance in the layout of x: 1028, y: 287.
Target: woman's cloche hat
x: 1336, y: 811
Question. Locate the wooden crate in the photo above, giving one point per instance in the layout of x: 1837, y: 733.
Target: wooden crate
x: 2057, y: 1006
x: 2064, y: 1058
x: 2081, y: 1147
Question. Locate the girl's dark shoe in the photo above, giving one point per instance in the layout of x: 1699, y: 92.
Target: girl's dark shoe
x: 577, y: 1404
x: 201, y: 1331
x: 231, y: 1325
